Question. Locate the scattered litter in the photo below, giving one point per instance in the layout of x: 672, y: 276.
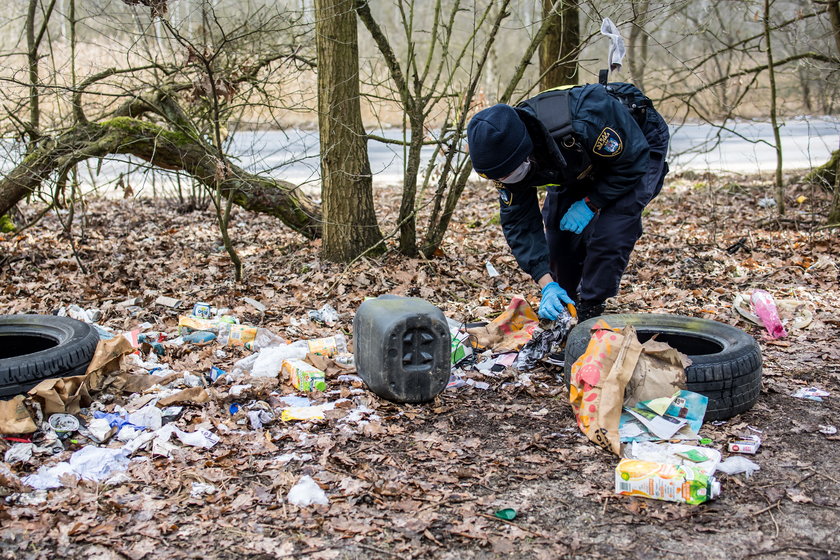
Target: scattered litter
x: 765, y: 308
x: 150, y: 417
x: 748, y: 445
x: 90, y: 463
x: 305, y: 412
x: 482, y: 385
x: 202, y: 310
x: 737, y: 464
x: 811, y: 393
x: 236, y: 390
x: 259, y: 418
x: 327, y: 315
x: 704, y: 458
x: 828, y: 430
x: 491, y: 270
x: 287, y: 457
x: 674, y: 483
x: 767, y: 202
x: 294, y: 400
x: 677, y: 417
x: 64, y: 424
x: 544, y: 343
x: 304, y: 377
x: 307, y: 492
x: 508, y: 514
x: 169, y: 302
x: 80, y: 314
x: 200, y: 489
x: 455, y: 381
x: 19, y: 453
x: 255, y: 304
x: 199, y: 337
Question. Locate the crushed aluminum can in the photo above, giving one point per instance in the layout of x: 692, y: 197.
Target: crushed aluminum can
x: 749, y: 445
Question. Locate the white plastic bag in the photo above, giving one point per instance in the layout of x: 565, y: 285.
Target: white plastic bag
x: 307, y: 492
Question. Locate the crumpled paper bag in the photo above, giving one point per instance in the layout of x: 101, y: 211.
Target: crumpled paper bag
x: 659, y: 373
x: 616, y: 370
x: 68, y: 394
x: 509, y: 331
x: 598, y: 380
x: 64, y: 394
x: 15, y: 417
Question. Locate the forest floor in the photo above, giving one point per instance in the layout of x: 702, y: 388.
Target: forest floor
x: 423, y: 481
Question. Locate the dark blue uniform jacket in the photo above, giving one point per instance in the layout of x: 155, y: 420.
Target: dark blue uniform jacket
x: 608, y: 158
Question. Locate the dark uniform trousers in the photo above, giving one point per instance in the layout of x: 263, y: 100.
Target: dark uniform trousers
x: 589, y: 266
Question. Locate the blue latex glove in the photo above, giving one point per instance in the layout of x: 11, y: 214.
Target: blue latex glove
x: 553, y: 302
x: 577, y: 217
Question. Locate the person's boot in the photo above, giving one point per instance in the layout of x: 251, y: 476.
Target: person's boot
x: 588, y: 309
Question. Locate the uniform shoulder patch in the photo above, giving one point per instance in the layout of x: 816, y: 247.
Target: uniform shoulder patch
x: 505, y: 196
x: 608, y: 144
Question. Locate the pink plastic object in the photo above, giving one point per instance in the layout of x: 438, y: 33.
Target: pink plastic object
x: 765, y: 308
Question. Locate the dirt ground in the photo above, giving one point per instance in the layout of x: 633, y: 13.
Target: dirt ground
x: 423, y: 481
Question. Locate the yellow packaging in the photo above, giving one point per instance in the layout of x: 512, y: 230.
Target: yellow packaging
x: 188, y: 324
x: 660, y: 481
x: 302, y: 413
x: 328, y: 346
x: 240, y: 335
x: 304, y: 377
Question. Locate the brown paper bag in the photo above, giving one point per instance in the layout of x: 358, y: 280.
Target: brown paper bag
x: 598, y: 380
x: 68, y: 394
x: 659, y: 373
x: 15, y: 418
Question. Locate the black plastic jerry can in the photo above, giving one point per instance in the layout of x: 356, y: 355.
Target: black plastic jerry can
x: 401, y: 348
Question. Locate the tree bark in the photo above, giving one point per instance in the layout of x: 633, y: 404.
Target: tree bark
x: 560, y: 48
x: 834, y: 210
x: 637, y: 46
x: 350, y: 226
x: 780, y: 186
x: 826, y: 174
x: 167, y: 150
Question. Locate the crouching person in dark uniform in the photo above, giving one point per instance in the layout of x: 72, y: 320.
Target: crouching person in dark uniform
x: 599, y: 150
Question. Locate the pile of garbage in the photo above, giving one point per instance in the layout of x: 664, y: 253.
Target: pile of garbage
x: 133, y: 404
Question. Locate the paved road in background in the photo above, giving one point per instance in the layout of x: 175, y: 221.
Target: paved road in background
x: 745, y: 147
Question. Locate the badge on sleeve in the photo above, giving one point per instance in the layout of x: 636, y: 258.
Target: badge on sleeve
x: 608, y: 143
x: 505, y: 196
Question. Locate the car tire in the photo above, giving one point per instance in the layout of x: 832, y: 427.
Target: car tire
x: 726, y: 361
x: 38, y: 347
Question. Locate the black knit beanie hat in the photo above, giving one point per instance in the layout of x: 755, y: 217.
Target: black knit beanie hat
x: 498, y: 141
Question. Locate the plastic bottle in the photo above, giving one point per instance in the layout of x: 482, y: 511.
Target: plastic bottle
x: 673, y: 483
x: 328, y: 346
x: 765, y: 308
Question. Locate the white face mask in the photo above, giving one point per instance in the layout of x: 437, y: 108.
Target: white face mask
x: 517, y: 174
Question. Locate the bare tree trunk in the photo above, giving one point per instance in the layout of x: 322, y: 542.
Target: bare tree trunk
x: 32, y: 60
x: 350, y: 226
x: 637, y: 45
x: 834, y: 16
x: 834, y: 210
x: 780, y: 187
x: 560, y: 48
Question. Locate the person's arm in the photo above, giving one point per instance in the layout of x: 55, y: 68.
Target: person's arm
x: 523, y: 228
